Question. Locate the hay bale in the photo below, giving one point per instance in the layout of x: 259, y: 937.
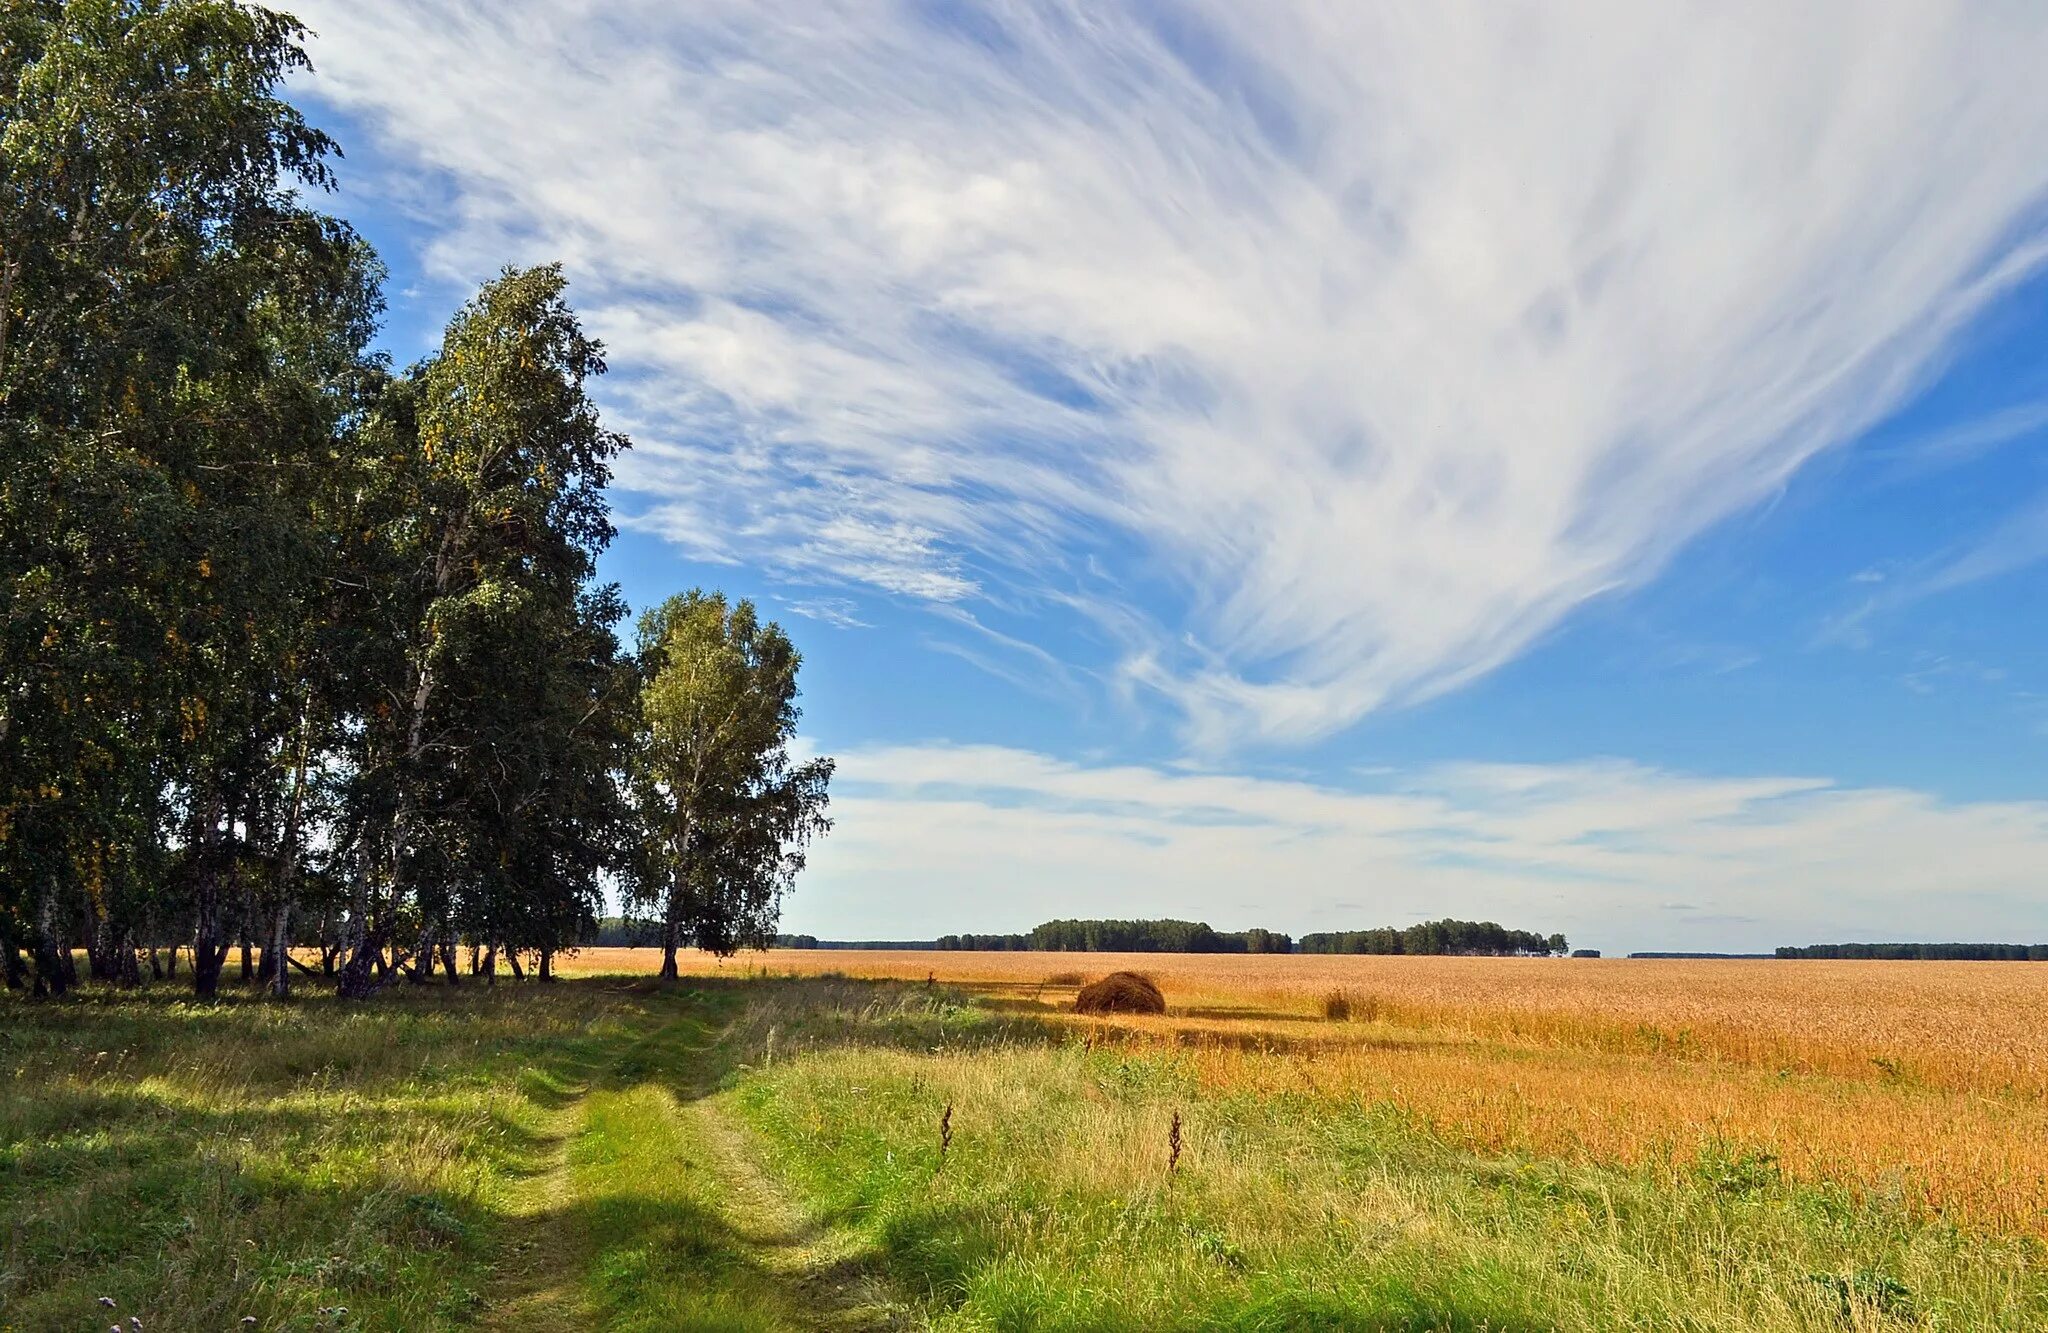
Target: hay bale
x: 1120, y: 993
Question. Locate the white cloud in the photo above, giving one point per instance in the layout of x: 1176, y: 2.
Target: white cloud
x: 838, y: 612
x: 1963, y: 443
x: 938, y: 838
x: 1371, y: 339
x: 2017, y: 541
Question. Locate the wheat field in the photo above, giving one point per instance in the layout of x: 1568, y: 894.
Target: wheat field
x: 1921, y: 1081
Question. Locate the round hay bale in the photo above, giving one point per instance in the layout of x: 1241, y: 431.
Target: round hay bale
x: 1120, y: 993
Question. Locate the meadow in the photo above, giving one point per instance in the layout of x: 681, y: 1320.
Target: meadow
x: 807, y: 1139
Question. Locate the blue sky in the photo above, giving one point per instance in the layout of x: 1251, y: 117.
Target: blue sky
x: 1318, y: 471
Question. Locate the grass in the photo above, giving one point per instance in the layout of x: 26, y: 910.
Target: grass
x: 756, y: 1153
x: 1056, y: 1209
x: 1922, y: 1080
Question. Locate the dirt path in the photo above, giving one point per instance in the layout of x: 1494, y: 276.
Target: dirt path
x: 654, y: 1168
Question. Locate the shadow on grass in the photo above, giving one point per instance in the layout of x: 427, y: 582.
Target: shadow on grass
x: 199, y: 1163
x: 665, y: 1263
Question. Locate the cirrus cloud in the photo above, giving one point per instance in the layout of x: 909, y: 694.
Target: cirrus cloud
x: 1324, y: 357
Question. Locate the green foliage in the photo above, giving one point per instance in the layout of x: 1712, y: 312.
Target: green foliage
x: 728, y: 811
x: 485, y: 801
x: 1171, y: 936
x: 181, y: 343
x: 291, y: 649
x: 1100, y: 936
x: 1165, y: 936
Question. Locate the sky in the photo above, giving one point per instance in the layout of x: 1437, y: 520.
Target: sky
x: 1300, y: 465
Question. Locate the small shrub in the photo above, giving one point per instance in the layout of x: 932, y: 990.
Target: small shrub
x: 1120, y: 993
x: 1866, y: 1292
x: 432, y: 1223
x: 1211, y: 1243
x: 1748, y: 1171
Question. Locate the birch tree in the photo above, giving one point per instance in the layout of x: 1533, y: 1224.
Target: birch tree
x: 725, y: 811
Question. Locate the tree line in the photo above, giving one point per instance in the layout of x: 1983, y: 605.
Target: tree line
x: 1448, y: 936
x: 1975, y: 953
x: 1174, y: 936
x: 299, y: 649
x: 1164, y: 935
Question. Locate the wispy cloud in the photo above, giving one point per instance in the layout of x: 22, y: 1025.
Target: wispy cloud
x: 2015, y: 542
x: 942, y: 837
x: 1963, y: 443
x: 2019, y: 540
x: 838, y: 612
x: 1370, y: 340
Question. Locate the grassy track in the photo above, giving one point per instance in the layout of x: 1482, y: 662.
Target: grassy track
x: 766, y: 1155
x: 655, y: 1214
x: 536, y: 1159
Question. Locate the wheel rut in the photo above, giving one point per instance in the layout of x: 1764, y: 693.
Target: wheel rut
x: 822, y: 1269
x: 778, y: 1265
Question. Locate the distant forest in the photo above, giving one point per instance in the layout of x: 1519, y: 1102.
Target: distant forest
x: 1973, y: 953
x: 1162, y: 936
x: 1447, y: 936
x: 1485, y: 938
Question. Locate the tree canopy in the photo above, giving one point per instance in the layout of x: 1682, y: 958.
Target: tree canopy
x: 1448, y: 936
x: 726, y: 807
x: 297, y: 650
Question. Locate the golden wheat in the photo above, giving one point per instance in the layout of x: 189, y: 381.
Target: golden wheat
x: 1927, y: 1081
x: 1976, y: 1026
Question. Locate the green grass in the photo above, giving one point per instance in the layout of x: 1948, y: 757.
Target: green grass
x: 765, y: 1154
x: 1056, y: 1209
x: 200, y: 1164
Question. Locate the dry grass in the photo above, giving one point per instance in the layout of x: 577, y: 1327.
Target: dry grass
x: 1925, y: 1081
